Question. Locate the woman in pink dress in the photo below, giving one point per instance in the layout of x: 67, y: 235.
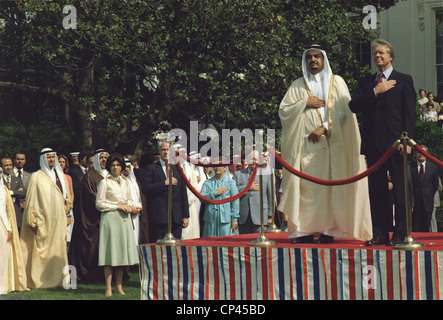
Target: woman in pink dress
x: 64, y: 164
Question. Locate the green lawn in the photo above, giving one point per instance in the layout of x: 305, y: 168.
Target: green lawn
x: 83, y: 291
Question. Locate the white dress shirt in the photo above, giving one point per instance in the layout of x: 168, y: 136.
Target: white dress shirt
x: 112, y: 192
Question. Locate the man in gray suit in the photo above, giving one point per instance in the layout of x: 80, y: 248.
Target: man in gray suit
x: 19, y: 163
x: 24, y: 176
x: 15, y: 186
x: 249, y: 221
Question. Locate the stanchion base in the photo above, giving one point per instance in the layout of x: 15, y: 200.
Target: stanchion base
x: 273, y: 229
x: 262, y: 241
x: 408, y: 244
x: 169, y: 239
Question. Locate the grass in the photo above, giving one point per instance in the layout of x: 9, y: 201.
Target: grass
x: 95, y: 291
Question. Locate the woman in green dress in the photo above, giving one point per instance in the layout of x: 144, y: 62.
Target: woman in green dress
x: 117, y: 247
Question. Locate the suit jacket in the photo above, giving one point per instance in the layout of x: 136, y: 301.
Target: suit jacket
x: 425, y: 191
x: 76, y: 174
x: 250, y: 202
x: 17, y: 195
x: 25, y: 177
x: 14, y: 186
x: 386, y: 116
x: 152, y: 180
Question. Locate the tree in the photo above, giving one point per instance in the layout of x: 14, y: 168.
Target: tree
x: 131, y: 68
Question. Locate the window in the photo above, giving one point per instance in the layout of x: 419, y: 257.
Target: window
x: 362, y: 52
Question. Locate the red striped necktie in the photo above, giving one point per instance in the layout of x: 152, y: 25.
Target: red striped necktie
x: 379, y: 79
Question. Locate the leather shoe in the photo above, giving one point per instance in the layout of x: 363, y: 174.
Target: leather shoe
x: 325, y: 239
x: 394, y: 241
x: 304, y: 239
x: 375, y: 242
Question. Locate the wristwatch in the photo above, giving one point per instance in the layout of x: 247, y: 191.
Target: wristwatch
x: 326, y: 130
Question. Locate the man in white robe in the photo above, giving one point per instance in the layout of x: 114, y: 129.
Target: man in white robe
x: 136, y: 198
x: 43, y: 235
x: 193, y: 229
x: 12, y: 269
x: 320, y: 138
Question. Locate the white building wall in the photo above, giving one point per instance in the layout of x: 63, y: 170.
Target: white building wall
x: 410, y: 27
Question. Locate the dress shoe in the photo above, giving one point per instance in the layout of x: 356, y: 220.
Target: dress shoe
x: 394, y: 241
x: 324, y: 239
x: 375, y: 242
x: 304, y: 239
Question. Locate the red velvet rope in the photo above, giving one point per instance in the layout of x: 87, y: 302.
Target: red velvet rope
x: 201, y: 164
x: 362, y: 175
x: 427, y: 155
x: 205, y: 199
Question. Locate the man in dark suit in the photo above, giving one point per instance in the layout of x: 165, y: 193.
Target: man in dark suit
x: 154, y: 181
x: 15, y: 186
x: 386, y: 103
x: 424, y: 176
x: 77, y: 172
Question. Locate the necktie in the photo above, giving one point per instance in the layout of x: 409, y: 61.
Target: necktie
x: 57, y: 182
x: 167, y: 169
x: 422, y: 173
x: 379, y: 79
x: 8, y: 182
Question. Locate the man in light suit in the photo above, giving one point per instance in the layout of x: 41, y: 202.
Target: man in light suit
x: 425, y: 180
x: 250, y: 215
x: 386, y: 103
x: 24, y: 176
x: 154, y: 181
x: 16, y: 188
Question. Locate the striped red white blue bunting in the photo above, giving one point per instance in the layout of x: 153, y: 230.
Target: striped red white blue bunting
x: 287, y: 273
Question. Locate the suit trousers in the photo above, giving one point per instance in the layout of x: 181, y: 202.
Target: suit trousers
x: 248, y: 226
x: 159, y: 231
x: 381, y: 204
x: 421, y: 219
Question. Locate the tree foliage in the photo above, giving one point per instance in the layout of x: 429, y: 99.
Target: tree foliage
x: 131, y: 68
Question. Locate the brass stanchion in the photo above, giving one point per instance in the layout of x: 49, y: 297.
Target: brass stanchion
x: 262, y: 239
x: 408, y: 243
x: 273, y: 228
x: 169, y: 238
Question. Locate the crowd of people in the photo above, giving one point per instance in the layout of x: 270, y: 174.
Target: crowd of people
x: 91, y: 211
x: 429, y: 109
